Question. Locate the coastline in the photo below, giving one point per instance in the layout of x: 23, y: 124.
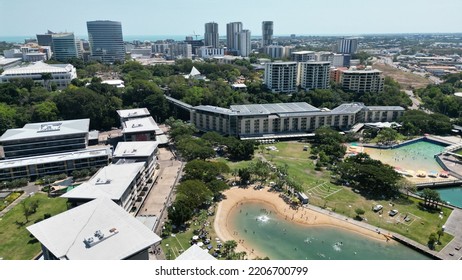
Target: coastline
x: 308, y: 217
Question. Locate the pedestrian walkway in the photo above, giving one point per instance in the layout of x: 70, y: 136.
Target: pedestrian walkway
x: 453, y: 226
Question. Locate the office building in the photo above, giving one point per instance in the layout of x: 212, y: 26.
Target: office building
x: 138, y: 125
x: 286, y: 120
x: 45, y: 39
x: 281, y: 76
x: 64, y: 46
x: 267, y: 33
x: 302, y: 56
x: 347, y: 45
x: 40, y: 149
x: 97, y: 230
x: 314, y: 74
x: 244, y: 47
x: 127, y: 184
x: 361, y: 81
x: 61, y: 74
x: 106, y: 41
x: 211, y: 35
x: 232, y: 32
x: 195, y: 44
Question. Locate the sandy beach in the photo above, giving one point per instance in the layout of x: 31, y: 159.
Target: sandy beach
x: 236, y: 196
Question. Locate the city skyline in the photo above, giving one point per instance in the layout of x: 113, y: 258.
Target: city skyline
x: 181, y: 17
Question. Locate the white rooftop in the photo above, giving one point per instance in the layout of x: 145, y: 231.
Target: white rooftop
x: 6, y: 61
x: 39, y: 68
x: 82, y: 154
x: 195, y: 253
x: 109, y: 182
x: 67, y: 235
x: 117, y: 83
x: 133, y: 113
x: 46, y: 129
x: 135, y: 149
x: 140, y: 125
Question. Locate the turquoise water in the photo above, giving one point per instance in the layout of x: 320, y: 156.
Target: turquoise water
x: 282, y: 240
x: 451, y: 195
x: 415, y: 156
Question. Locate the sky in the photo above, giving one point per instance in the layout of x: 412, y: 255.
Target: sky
x: 187, y: 17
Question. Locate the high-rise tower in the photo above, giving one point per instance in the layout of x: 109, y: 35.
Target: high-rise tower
x: 106, y: 41
x: 211, y: 34
x: 232, y: 33
x: 267, y: 33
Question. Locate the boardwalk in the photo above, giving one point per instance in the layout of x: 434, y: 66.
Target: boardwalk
x: 453, y: 226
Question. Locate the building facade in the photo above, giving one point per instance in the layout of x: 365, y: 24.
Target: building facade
x: 64, y: 46
x: 211, y: 37
x: 60, y: 75
x: 267, y: 33
x: 244, y: 47
x: 286, y: 120
x: 281, y: 76
x: 106, y: 41
x: 314, y: 74
x: 361, y: 81
x: 347, y: 45
x: 232, y: 32
x: 303, y: 56
x: 209, y: 52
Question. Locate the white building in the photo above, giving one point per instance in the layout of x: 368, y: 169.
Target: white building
x: 61, y: 74
x: 314, y: 74
x: 210, y: 52
x: 281, y: 76
x: 97, y: 230
x: 244, y: 46
x: 302, y: 56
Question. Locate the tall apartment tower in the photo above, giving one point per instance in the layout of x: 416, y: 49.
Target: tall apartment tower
x: 281, y: 76
x: 232, y: 32
x: 64, y: 46
x: 244, y: 46
x: 347, y: 45
x: 267, y: 33
x: 106, y: 41
x: 314, y: 74
x: 211, y: 34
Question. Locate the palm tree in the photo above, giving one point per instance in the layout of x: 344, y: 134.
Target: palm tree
x: 46, y: 77
x: 229, y: 247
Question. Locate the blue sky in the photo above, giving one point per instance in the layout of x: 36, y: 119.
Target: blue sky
x: 183, y: 17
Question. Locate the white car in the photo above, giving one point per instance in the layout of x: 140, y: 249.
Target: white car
x: 377, y: 208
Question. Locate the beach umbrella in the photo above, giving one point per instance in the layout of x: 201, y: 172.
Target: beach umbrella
x: 195, y: 237
x: 200, y: 244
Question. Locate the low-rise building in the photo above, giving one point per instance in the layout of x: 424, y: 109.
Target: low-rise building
x: 61, y: 75
x: 285, y: 120
x: 97, y: 230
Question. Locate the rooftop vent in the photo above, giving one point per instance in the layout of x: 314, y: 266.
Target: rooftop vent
x: 49, y: 127
x: 101, y: 181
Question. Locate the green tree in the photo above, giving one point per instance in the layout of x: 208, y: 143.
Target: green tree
x: 229, y: 247
x: 7, y: 117
x: 432, y: 239
x: 45, y: 111
x: 359, y: 212
x: 244, y: 174
x: 180, y: 212
x: 194, y: 193
x: 387, y: 135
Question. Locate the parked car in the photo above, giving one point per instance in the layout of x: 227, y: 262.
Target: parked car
x: 377, y: 208
x: 393, y: 212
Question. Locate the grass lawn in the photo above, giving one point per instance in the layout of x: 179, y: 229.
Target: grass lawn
x: 16, y: 241
x: 344, y: 201
x: 459, y: 152
x: 179, y: 242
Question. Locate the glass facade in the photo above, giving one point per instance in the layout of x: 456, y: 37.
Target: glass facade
x: 106, y: 41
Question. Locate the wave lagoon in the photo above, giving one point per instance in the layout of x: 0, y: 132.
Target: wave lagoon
x: 279, y: 239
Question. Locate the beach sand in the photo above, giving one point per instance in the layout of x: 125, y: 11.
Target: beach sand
x: 235, y: 196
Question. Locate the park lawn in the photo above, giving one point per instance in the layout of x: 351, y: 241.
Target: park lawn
x: 459, y: 152
x: 180, y: 241
x: 344, y: 201
x: 16, y: 241
x: 233, y: 165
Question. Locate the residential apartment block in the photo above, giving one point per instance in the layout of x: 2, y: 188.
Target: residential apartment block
x: 361, y: 81
x: 281, y: 76
x: 314, y: 75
